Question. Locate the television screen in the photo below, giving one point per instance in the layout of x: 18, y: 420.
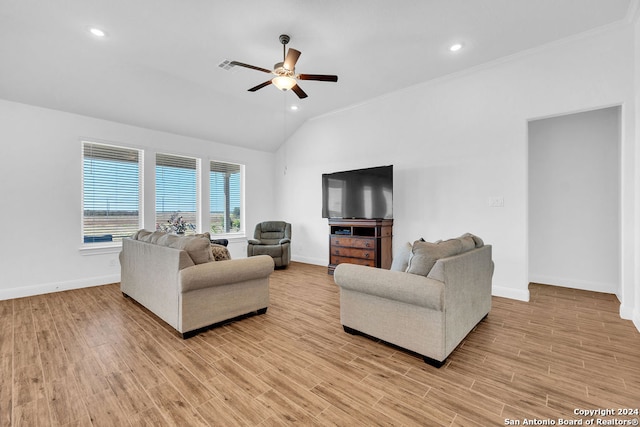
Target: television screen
x: 361, y: 193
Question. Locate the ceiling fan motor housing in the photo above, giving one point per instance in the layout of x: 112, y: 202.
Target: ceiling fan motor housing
x: 278, y: 69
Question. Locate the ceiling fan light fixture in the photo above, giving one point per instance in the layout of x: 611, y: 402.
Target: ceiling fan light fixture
x: 284, y: 82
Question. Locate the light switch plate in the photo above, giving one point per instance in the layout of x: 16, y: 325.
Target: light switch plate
x: 496, y: 202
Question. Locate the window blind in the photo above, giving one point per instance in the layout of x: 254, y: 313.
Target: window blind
x: 110, y: 192
x: 225, y: 184
x: 176, y: 193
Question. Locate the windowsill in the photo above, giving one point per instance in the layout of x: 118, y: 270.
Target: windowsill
x: 232, y: 238
x: 100, y: 248
x: 112, y: 248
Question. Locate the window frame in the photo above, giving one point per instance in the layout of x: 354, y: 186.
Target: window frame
x: 147, y: 194
x: 161, y: 222
x: 241, y: 233
x: 115, y: 245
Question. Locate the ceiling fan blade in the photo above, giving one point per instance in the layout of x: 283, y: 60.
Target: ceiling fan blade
x: 291, y: 59
x: 298, y: 90
x: 253, y: 67
x: 321, y: 77
x: 260, y: 86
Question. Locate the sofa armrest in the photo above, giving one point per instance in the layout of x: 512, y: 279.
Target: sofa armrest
x: 253, y: 242
x: 395, y: 285
x: 467, y: 279
x: 218, y: 273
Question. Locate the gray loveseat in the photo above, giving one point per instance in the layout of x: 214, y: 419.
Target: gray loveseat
x: 177, y: 279
x: 436, y: 295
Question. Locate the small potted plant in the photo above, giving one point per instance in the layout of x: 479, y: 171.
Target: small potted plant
x: 176, y: 224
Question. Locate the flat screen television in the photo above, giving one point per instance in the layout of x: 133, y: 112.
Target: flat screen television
x: 360, y: 193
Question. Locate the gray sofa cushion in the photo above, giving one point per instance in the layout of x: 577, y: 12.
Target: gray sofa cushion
x: 140, y: 234
x: 479, y: 242
x: 198, y: 247
x: 425, y: 254
x: 467, y: 242
x: 150, y: 237
x: 167, y: 239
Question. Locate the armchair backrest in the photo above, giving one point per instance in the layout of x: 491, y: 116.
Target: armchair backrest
x: 271, y: 232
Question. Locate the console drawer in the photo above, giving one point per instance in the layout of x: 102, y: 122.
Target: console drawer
x: 353, y: 252
x: 353, y: 242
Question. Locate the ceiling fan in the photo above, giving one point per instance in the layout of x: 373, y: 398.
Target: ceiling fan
x: 285, y: 71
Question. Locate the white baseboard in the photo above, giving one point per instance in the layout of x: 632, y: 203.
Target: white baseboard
x: 585, y: 285
x: 627, y: 311
x: 307, y: 260
x: 506, y: 292
x: 47, y: 288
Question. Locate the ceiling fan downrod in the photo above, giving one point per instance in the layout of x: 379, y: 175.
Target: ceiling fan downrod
x: 284, y: 39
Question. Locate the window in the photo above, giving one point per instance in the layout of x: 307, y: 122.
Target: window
x: 225, y: 185
x: 176, y: 193
x: 110, y: 192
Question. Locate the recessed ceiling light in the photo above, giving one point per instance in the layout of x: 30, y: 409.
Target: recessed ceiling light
x: 97, y: 32
x: 294, y: 107
x: 455, y: 47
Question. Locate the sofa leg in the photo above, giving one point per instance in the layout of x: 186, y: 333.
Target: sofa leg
x: 350, y: 330
x: 433, y: 362
x: 262, y: 310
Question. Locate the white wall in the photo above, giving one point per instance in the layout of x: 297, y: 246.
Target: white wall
x: 631, y: 202
x: 574, y: 200
x: 457, y: 142
x: 40, y: 192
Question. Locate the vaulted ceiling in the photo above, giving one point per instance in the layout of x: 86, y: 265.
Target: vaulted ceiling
x: 158, y: 66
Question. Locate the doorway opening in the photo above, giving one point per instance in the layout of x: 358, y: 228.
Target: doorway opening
x: 575, y: 200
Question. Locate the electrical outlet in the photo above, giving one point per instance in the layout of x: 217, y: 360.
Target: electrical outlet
x: 496, y: 202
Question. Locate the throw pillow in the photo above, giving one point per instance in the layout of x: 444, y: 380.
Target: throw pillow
x: 140, y: 234
x: 401, y: 260
x: 467, y: 242
x: 167, y: 239
x: 205, y: 234
x: 198, y: 248
x: 219, y: 252
x: 150, y: 237
x: 424, y: 254
x: 477, y: 240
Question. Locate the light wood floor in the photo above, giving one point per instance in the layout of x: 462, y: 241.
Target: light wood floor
x: 91, y: 357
